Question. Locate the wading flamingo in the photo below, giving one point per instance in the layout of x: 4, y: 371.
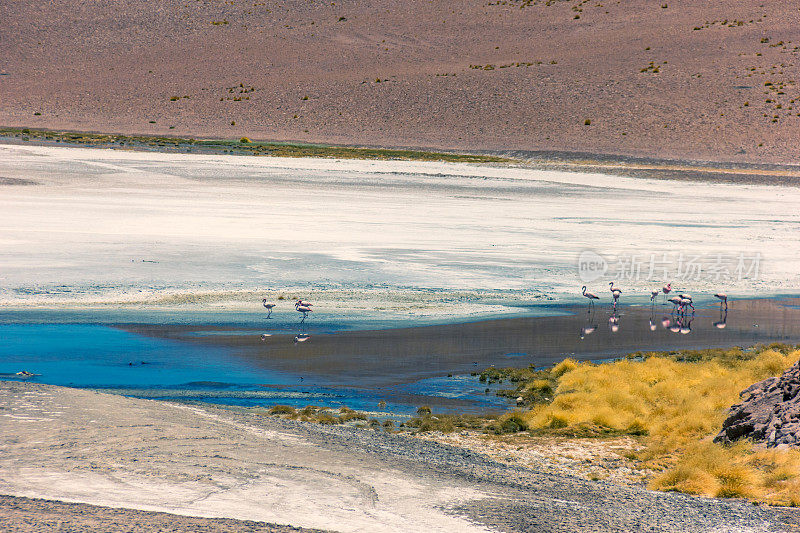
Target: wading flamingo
x: 592, y: 297
x: 723, y: 299
x: 667, y: 289
x: 305, y: 310
x: 268, y: 307
x: 614, y: 293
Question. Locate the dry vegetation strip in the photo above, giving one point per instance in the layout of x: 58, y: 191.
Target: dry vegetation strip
x: 242, y: 146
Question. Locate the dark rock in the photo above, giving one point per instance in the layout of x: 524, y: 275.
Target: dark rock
x: 769, y: 414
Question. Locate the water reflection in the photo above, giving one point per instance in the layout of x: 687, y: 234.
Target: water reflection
x: 679, y: 320
x: 590, y: 326
x: 723, y: 318
x: 613, y: 321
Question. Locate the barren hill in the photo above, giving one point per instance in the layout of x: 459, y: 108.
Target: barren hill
x: 682, y: 79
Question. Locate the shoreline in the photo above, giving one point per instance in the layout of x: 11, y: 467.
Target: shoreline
x: 357, y: 478
x: 645, y: 167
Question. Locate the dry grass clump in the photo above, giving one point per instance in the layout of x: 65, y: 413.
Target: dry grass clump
x: 427, y: 421
x: 679, y: 400
x: 314, y: 413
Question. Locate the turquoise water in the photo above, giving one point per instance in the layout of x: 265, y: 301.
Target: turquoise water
x: 103, y: 357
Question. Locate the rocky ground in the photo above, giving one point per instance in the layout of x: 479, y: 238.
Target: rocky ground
x: 678, y: 79
x: 83, y: 446
x: 769, y: 414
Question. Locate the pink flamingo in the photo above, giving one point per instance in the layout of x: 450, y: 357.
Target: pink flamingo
x: 590, y: 296
x: 268, y: 307
x: 303, y: 309
x: 653, y: 294
x: 615, y: 293
x: 686, y: 301
x: 723, y: 299
x: 667, y: 289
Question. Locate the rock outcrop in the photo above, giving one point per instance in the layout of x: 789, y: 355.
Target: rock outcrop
x: 770, y: 413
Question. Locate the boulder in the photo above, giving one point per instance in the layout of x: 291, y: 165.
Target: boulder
x: 769, y: 414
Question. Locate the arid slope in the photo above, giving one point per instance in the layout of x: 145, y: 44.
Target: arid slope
x: 675, y: 79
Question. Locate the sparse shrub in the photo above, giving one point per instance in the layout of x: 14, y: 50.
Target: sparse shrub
x: 424, y: 411
x: 283, y: 410
x: 513, y: 423
x: 244, y: 140
x: 587, y: 122
x: 328, y: 419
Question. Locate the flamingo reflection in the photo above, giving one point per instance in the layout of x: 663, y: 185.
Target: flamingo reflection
x: 723, y: 318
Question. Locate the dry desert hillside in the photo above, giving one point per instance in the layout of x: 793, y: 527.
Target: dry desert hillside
x: 676, y: 79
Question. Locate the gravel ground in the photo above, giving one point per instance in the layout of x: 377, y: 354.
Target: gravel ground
x: 528, y: 500
x: 83, y: 446
x: 19, y: 515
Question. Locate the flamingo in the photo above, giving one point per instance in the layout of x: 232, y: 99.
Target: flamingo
x: 686, y: 301
x: 723, y: 299
x: 299, y: 303
x: 301, y: 337
x: 268, y: 307
x: 305, y: 310
x: 615, y: 293
x: 676, y: 302
x: 589, y: 295
x: 667, y: 289
x: 653, y: 294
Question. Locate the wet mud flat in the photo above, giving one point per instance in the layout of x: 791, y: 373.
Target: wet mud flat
x: 381, y: 358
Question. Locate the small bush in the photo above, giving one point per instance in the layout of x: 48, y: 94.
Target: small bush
x: 283, y: 410
x: 513, y: 423
x: 424, y: 411
x: 244, y: 140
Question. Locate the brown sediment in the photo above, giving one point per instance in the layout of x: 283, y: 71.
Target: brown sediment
x: 388, y: 357
x: 687, y: 80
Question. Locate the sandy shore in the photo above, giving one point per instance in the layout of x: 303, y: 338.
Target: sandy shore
x: 666, y: 79
x: 91, y: 448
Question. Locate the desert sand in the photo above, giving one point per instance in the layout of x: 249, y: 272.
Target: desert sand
x: 676, y: 79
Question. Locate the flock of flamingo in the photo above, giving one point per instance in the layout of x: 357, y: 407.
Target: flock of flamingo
x: 680, y: 303
x: 680, y: 306
x: 679, y: 321
x: 300, y: 306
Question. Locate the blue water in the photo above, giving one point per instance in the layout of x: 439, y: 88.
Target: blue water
x: 103, y: 357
